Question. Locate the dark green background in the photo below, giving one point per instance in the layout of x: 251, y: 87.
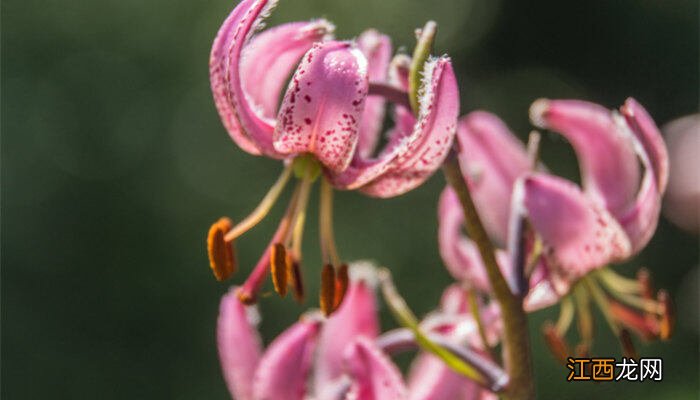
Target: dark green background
x: 114, y: 163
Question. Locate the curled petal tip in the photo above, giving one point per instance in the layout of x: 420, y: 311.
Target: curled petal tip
x: 537, y: 111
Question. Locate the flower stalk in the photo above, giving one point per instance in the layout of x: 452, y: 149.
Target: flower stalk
x: 516, y: 341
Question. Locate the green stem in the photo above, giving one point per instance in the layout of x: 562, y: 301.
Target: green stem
x: 516, y: 340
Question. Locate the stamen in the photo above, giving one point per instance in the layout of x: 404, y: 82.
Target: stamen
x: 300, y: 211
x: 618, y: 283
x: 327, y: 237
x: 556, y: 342
x: 249, y: 289
x: 341, y: 286
x: 566, y: 316
x: 628, y: 349
x: 668, y: 315
x: 294, y: 277
x: 644, y: 303
x: 634, y: 320
x: 602, y: 302
x: 327, y: 295
x: 585, y: 317
x: 221, y: 256
x: 263, y: 208
x: 279, y: 267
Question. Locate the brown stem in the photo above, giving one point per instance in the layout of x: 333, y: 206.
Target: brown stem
x: 516, y: 342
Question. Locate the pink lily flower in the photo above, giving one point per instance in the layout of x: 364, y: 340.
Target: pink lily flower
x: 328, y: 123
x: 316, y: 358
x: 344, y: 356
x: 571, y: 233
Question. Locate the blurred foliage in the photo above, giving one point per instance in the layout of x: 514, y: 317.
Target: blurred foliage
x: 114, y: 163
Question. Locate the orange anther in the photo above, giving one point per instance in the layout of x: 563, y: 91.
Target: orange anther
x: 279, y: 268
x: 327, y: 295
x: 341, y: 285
x: 221, y: 256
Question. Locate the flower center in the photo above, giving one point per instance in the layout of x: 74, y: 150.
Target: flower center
x: 282, y: 257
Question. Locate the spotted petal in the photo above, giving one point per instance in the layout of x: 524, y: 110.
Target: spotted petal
x: 492, y: 159
x: 377, y: 49
x: 357, y: 316
x: 408, y: 159
x: 243, y: 119
x: 578, y: 233
x: 284, y: 368
x: 239, y: 345
x: 272, y: 55
x: 374, y: 376
x: 322, y: 106
x: 607, y: 160
x: 433, y: 133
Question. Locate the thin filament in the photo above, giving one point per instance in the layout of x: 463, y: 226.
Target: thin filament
x: 328, y: 247
x: 263, y: 208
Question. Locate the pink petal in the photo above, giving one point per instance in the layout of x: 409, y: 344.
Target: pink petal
x: 271, y: 56
x: 356, y: 316
x: 321, y: 109
x: 217, y: 74
x: 232, y: 101
x: 491, y: 158
x: 239, y: 346
x: 422, y: 152
x: 430, y: 379
x: 377, y: 49
x: 362, y: 170
x: 284, y: 368
x: 375, y: 377
x: 640, y: 220
x: 608, y: 164
x: 459, y: 253
x: 579, y: 234
x: 652, y: 142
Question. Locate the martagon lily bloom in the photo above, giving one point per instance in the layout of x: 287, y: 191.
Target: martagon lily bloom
x: 560, y: 237
x: 328, y: 124
x: 344, y: 356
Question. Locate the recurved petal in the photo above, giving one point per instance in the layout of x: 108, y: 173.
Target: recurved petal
x: 641, y: 218
x: 374, y: 375
x: 491, y: 158
x: 322, y: 106
x: 422, y: 152
x: 377, y: 49
x: 284, y: 368
x: 217, y: 74
x: 239, y: 345
x: 579, y: 235
x: 608, y: 163
x: 271, y: 56
x: 356, y: 316
x: 650, y: 138
x: 227, y: 80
